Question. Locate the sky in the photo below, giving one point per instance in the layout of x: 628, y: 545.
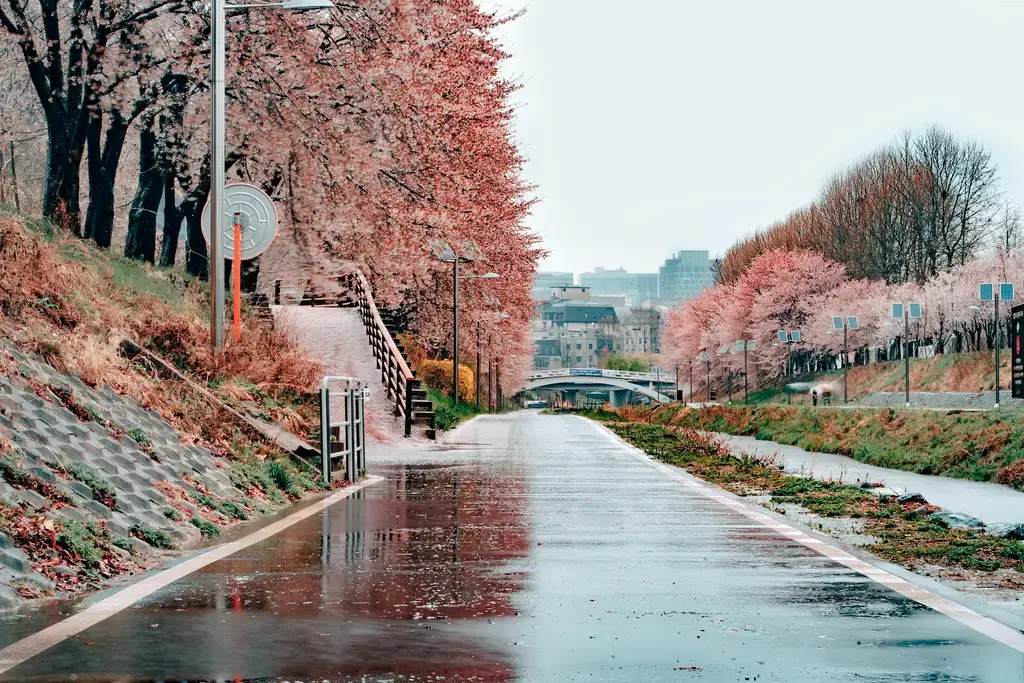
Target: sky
x: 651, y: 126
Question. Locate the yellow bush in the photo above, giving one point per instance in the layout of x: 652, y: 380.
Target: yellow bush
x: 437, y: 374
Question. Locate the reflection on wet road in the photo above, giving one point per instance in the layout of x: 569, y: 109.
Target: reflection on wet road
x: 542, y: 552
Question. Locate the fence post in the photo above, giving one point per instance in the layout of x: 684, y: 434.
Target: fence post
x: 410, y: 386
x: 325, y: 431
x: 349, y: 430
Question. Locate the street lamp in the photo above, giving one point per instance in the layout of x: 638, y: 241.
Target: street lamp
x: 846, y: 323
x: 218, y: 30
x: 987, y: 292
x: 908, y: 311
x: 479, y: 343
x: 789, y: 338
x: 745, y: 345
x: 470, y: 252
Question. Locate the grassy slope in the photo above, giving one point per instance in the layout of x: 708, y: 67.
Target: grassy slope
x: 978, y: 446
x: 905, y: 534
x: 960, y: 372
x: 72, y: 304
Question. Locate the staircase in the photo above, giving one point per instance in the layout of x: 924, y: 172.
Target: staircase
x: 352, y: 291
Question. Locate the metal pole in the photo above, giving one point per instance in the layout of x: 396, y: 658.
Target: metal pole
x: 350, y: 429
x: 497, y: 384
x: 746, y: 395
x: 677, y: 381
x: 691, y: 380
x: 846, y: 358
x: 478, y: 334
x: 490, y: 376
x: 14, y: 180
x: 906, y: 355
x: 455, y: 336
x: 709, y: 380
x: 997, y: 348
x: 325, y: 432
x: 236, y: 277
x: 217, y: 122
x: 789, y: 373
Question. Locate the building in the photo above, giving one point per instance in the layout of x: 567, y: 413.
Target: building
x: 637, y: 287
x: 685, y: 275
x: 543, y: 281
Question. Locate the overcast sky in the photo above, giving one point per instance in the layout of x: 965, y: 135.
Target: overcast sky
x: 657, y: 125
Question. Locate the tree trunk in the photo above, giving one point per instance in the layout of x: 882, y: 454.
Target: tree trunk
x: 141, y: 242
x: 102, y: 166
x: 172, y: 224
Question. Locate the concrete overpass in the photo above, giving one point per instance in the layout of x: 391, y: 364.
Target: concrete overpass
x: 617, y: 383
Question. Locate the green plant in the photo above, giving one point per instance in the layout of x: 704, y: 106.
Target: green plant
x: 123, y: 543
x: 81, y: 541
x: 172, y: 514
x: 101, y: 490
x: 158, y: 538
x: 205, y: 526
x: 279, y: 475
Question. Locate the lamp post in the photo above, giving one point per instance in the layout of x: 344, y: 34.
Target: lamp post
x: 745, y: 345
x: 987, y: 292
x: 691, y: 380
x: 789, y: 338
x: 906, y: 311
x: 468, y: 252
x: 218, y: 31
x: 847, y: 323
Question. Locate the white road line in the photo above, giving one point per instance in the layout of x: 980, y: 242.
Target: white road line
x: 38, y: 642
x: 980, y: 623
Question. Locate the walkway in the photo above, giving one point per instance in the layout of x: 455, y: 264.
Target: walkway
x: 337, y: 337
x: 540, y: 549
x: 991, y: 503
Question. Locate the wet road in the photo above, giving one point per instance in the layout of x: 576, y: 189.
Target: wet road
x: 534, y: 549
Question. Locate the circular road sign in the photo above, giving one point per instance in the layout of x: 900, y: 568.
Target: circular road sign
x: 256, y: 214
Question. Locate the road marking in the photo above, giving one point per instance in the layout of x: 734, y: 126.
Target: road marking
x: 980, y: 623
x: 13, y: 655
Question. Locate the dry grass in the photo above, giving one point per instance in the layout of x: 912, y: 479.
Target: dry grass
x: 73, y: 304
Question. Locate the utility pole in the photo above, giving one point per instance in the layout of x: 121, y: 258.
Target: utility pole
x: 14, y: 180
x: 478, y: 342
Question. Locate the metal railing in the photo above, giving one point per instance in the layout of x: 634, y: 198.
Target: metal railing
x: 344, y: 439
x: 662, y: 378
x: 395, y: 374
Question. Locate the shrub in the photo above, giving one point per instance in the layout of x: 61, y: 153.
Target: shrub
x: 279, y: 475
x: 158, y: 538
x: 1012, y: 475
x: 81, y: 541
x: 437, y: 374
x: 205, y: 526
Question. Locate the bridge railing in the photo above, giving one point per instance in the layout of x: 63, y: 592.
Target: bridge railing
x: 598, y: 372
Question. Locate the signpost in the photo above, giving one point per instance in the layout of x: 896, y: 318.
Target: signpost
x: 987, y: 292
x: 908, y: 311
x: 249, y: 225
x: 1016, y: 343
x: 846, y: 323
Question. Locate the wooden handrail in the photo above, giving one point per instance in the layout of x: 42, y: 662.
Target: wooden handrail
x: 402, y: 365
x: 395, y: 374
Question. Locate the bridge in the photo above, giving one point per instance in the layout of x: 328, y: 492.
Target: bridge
x: 618, y: 384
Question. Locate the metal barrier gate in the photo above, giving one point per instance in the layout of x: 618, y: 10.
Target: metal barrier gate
x: 344, y: 439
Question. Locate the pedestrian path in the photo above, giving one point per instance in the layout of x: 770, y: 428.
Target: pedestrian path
x: 991, y: 503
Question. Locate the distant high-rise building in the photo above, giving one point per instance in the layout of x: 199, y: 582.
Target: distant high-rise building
x: 685, y: 275
x: 638, y: 287
x: 544, y: 280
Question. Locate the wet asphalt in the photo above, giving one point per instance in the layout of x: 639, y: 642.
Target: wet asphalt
x: 532, y: 548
